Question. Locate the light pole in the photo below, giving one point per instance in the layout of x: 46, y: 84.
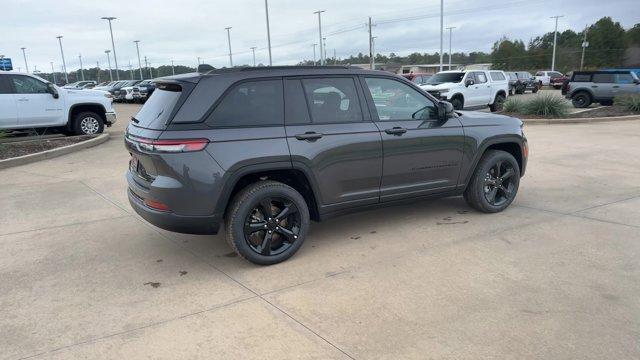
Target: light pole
x: 81, y: 70
x: 64, y: 65
x: 130, y: 70
x: 113, y: 45
x: 324, y: 49
x: 450, y: 28
x: 555, y: 39
x: 253, y: 49
x: 229, y: 42
x: 266, y: 11
x: 319, y: 12
x: 441, y: 31
x: 585, y: 44
x: 373, y: 52
x: 139, y: 62
x: 109, y: 62
x: 173, y: 70
x: 314, y: 54
x: 53, y: 72
x: 97, y: 71
x: 24, y: 54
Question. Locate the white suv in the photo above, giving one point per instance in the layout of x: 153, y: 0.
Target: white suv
x: 27, y: 101
x: 470, y: 89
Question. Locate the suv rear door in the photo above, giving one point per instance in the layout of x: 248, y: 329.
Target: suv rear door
x: 332, y: 139
x: 8, y: 108
x: 422, y: 154
x: 603, y: 86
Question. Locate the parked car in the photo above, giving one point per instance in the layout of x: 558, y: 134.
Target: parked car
x: 79, y: 84
x: 528, y: 82
x: 143, y: 90
x: 545, y: 78
x: 514, y: 82
x: 121, y: 90
x: 470, y: 89
x: 28, y: 101
x: 587, y: 87
x: 268, y: 149
x: 418, y: 78
x: 108, y: 86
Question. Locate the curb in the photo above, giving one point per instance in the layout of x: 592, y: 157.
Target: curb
x: 49, y: 154
x: 580, y: 120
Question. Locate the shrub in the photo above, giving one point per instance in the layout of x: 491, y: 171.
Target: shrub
x: 630, y: 101
x: 513, y: 105
x: 547, y: 105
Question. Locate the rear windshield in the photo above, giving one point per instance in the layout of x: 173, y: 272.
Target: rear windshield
x: 156, y: 111
x: 445, y: 78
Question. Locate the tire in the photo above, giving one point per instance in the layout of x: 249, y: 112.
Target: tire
x: 520, y: 90
x: 581, y: 100
x: 249, y: 211
x: 498, y: 102
x: 534, y: 90
x: 457, y: 102
x: 483, y: 182
x: 87, y: 123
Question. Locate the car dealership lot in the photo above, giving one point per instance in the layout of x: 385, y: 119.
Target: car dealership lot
x: 557, y: 275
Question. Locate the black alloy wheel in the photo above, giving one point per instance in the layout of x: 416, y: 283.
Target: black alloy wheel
x: 272, y: 226
x: 499, y: 184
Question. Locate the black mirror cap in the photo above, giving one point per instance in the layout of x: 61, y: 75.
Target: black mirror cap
x: 468, y: 82
x: 445, y: 109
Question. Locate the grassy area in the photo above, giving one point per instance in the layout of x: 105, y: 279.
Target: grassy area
x: 542, y: 106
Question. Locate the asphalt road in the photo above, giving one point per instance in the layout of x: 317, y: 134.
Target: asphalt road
x: 555, y: 276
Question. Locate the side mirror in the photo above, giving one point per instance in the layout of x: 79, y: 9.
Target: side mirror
x: 445, y: 110
x: 53, y: 91
x: 469, y: 82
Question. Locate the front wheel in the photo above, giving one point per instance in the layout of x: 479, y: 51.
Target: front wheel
x: 88, y: 123
x: 267, y: 222
x: 581, y: 100
x: 494, y: 183
x: 457, y: 103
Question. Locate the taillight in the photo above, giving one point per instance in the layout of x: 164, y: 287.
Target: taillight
x: 169, y: 146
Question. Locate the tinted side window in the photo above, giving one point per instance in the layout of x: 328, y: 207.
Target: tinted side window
x: 295, y: 103
x: 5, y: 87
x: 540, y: 73
x: 252, y: 103
x: 624, y: 79
x: 397, y: 101
x: 582, y: 77
x: 481, y: 78
x: 28, y: 85
x: 603, y: 78
x: 332, y: 100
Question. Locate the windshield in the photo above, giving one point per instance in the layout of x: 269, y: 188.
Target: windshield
x: 156, y: 111
x: 445, y: 78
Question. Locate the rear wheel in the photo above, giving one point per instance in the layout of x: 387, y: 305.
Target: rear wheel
x: 88, y: 123
x: 494, y: 183
x: 267, y: 222
x: 498, y: 103
x: 535, y: 89
x: 581, y: 100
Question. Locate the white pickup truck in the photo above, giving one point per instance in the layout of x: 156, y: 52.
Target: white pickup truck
x: 470, y: 88
x: 29, y: 102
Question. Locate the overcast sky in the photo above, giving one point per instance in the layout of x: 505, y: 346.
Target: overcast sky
x: 185, y: 29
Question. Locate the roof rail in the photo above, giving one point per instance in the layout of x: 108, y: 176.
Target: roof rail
x: 279, y: 67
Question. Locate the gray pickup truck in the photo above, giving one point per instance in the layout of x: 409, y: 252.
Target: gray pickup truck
x: 587, y: 87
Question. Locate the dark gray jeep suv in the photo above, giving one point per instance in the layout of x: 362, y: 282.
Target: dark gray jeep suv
x: 269, y: 149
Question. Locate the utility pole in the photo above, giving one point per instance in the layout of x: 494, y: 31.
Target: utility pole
x: 371, y: 61
x: 53, y: 72
x: 319, y: 12
x: 24, y: 54
x: 373, y: 51
x: 196, y: 66
x: 228, y: 28
x: 450, y: 28
x: 146, y: 64
x: 113, y: 45
x: 324, y: 49
x: 253, y: 49
x: 97, y: 71
x: 173, y: 70
x: 585, y: 44
x: 335, y: 58
x: 109, y: 61
x: 441, y: 31
x: 139, y: 62
x: 81, y: 70
x: 555, y: 40
x: 314, y: 54
x: 64, y: 65
x: 266, y: 11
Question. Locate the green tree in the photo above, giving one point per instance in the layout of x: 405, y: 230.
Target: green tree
x: 607, y: 43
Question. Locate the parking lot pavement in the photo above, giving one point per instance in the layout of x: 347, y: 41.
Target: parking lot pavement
x: 557, y: 275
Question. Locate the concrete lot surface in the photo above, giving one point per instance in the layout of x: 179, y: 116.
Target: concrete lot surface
x: 555, y: 276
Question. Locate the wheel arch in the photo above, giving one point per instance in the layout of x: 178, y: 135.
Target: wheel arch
x: 512, y: 144
x: 78, y: 108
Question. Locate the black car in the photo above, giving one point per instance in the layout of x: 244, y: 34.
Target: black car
x: 118, y: 92
x: 268, y: 149
x: 143, y: 90
x: 521, y: 81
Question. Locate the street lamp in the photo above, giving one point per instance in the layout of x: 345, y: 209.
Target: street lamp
x: 64, y: 65
x: 81, y: 70
x: 555, y: 39
x: 441, y: 30
x: 253, y: 48
x: 53, y: 72
x: 109, y: 62
x: 314, y: 54
x: 25, y: 58
x: 319, y: 12
x: 139, y: 62
x: 229, y: 42
x: 450, y: 28
x: 113, y: 45
x: 266, y: 11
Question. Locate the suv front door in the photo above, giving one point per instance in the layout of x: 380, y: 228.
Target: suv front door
x: 422, y: 153
x: 8, y: 108
x: 332, y: 139
x: 603, y: 86
x: 36, y: 106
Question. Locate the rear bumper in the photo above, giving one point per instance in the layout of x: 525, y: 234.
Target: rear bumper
x: 110, y: 116
x: 199, y: 225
